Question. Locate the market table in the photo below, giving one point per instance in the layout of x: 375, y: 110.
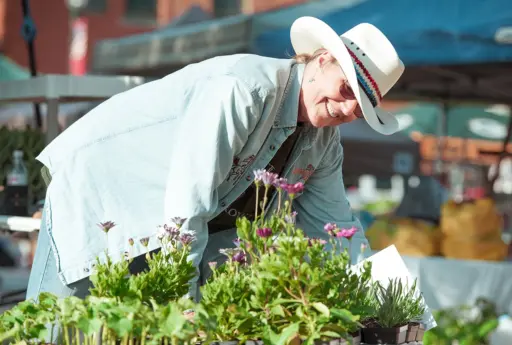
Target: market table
x: 448, y: 282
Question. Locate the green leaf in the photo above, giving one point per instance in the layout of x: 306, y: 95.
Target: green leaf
x: 489, y: 326
x: 285, y: 336
x: 322, y: 308
x: 277, y: 310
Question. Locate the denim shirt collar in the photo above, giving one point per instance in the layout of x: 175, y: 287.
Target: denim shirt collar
x: 287, y: 115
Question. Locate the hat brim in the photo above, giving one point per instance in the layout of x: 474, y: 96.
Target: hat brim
x: 308, y: 34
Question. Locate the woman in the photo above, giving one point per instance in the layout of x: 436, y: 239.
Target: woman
x: 187, y: 145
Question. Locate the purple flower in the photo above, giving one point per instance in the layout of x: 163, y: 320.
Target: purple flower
x: 280, y: 182
x: 293, y: 188
x: 290, y: 219
x: 171, y: 231
x: 347, y: 233
x: 330, y: 228
x: 264, y: 232
x: 266, y: 177
x: 239, y: 257
x: 106, y: 226
x: 178, y: 221
x: 144, y: 241
x: 186, y: 239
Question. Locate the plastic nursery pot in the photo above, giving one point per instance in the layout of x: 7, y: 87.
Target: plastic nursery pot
x: 356, y: 337
x: 412, y: 331
x: 421, y: 332
x: 395, y: 335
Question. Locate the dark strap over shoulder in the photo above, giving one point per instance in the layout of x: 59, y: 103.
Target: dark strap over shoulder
x: 47, y: 177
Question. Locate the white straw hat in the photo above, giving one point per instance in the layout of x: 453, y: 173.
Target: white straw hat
x: 367, y: 59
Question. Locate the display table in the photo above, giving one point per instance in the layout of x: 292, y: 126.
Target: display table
x: 56, y: 89
x: 448, y: 283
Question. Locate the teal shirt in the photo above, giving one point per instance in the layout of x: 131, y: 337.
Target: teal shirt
x: 186, y: 145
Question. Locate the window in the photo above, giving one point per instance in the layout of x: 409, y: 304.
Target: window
x: 141, y: 9
x: 224, y: 8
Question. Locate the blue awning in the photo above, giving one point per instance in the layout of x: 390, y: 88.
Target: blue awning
x: 423, y: 32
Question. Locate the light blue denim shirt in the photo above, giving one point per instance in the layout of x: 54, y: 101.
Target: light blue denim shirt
x: 186, y: 145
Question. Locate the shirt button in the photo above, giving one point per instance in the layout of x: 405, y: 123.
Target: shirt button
x: 248, y: 178
x: 223, y: 203
x: 272, y: 147
x: 86, y: 270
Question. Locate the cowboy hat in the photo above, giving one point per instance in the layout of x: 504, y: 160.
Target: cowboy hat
x: 367, y: 59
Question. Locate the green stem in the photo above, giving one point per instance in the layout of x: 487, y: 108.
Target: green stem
x: 66, y: 335
x: 257, y: 199
x: 143, y: 338
x: 279, y: 193
x: 77, y: 335
x: 265, y: 200
x: 130, y: 341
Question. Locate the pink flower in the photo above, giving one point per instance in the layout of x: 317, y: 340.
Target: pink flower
x: 236, y: 242
x: 212, y: 264
x: 293, y: 188
x: 264, y: 232
x: 266, y: 177
x: 313, y: 241
x: 363, y: 247
x: 347, y: 233
x: 329, y: 228
x: 178, y: 221
x: 106, y: 226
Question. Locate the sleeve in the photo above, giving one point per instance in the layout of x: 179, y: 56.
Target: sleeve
x: 220, y: 114
x: 324, y: 201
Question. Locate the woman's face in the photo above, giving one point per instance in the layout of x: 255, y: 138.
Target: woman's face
x: 326, y: 97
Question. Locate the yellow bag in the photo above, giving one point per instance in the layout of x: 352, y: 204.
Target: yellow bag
x: 477, y: 219
x: 410, y: 237
x: 462, y: 248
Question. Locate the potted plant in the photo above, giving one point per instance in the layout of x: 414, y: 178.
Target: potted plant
x: 122, y: 308
x: 415, y: 308
x: 277, y: 283
x: 390, y: 322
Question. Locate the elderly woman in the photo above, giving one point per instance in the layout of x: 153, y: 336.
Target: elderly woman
x: 187, y: 145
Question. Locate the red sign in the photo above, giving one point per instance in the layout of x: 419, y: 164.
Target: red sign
x: 78, y: 47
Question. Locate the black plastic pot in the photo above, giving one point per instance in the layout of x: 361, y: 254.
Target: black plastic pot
x: 421, y: 332
x: 412, y: 331
x: 395, y: 335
